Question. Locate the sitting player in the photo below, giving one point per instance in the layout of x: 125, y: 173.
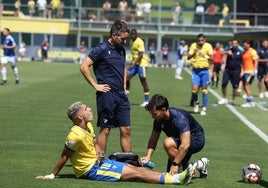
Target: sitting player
x: 89, y: 161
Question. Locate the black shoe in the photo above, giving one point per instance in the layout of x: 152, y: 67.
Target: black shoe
x: 17, y: 81
x: 3, y: 82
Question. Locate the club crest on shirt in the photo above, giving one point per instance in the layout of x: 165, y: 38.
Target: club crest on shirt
x: 105, y: 121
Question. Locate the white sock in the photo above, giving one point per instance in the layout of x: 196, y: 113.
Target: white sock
x: 178, y: 71
x: 4, y: 73
x: 16, y: 73
x: 199, y: 164
x: 176, y: 178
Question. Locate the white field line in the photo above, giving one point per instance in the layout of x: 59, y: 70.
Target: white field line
x: 250, y: 125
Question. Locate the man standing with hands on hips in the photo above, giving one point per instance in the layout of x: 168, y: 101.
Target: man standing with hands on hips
x: 108, y: 62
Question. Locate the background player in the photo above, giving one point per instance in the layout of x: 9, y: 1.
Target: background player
x: 200, y: 53
x: 263, y: 69
x: 9, y: 46
x: 139, y: 65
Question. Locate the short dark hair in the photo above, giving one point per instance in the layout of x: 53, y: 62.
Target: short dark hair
x: 201, y: 35
x: 134, y: 31
x: 118, y: 27
x: 247, y: 41
x: 158, y: 101
x: 7, y: 29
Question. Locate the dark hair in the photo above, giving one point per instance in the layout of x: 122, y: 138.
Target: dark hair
x: 201, y: 35
x: 134, y: 31
x: 248, y: 42
x: 235, y: 39
x: 7, y: 29
x: 118, y: 27
x: 158, y: 101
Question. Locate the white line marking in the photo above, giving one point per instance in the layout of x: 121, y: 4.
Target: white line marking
x: 250, y: 125
x: 260, y: 106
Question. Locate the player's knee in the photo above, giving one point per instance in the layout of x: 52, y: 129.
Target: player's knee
x: 125, y: 131
x: 205, y: 91
x: 223, y: 85
x: 105, y: 132
x: 168, y: 142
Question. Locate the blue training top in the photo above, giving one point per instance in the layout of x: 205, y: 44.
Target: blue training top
x: 179, y: 122
x: 263, y: 54
x: 234, y: 61
x: 9, y: 41
x: 109, y: 65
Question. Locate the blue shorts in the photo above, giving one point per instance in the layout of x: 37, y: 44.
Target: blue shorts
x: 113, y: 110
x: 108, y: 170
x: 247, y: 78
x: 200, y: 77
x: 136, y: 69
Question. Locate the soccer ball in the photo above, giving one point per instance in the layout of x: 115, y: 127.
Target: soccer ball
x: 251, y: 173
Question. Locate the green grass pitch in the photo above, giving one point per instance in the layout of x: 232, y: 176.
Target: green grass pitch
x: 34, y: 124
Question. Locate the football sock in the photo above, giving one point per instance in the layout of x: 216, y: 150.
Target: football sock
x: 249, y: 99
x: 205, y: 97
x: 178, y: 71
x: 199, y: 164
x: 146, y: 96
x: 4, y: 73
x: 16, y: 73
x: 165, y: 178
x: 194, y: 96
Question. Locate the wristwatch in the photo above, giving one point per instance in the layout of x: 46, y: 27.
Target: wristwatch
x: 175, y: 164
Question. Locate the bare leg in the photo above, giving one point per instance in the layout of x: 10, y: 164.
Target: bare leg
x: 125, y: 138
x: 223, y: 90
x: 103, y: 138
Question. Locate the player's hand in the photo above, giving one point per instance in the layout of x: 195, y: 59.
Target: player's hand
x: 144, y: 159
x: 174, y: 170
x: 103, y: 88
x: 101, y: 155
x: 46, y: 177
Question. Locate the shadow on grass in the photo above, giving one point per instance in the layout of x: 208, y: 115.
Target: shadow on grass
x: 262, y: 183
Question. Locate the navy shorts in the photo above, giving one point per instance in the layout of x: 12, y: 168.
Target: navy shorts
x: 113, y: 110
x: 197, y: 144
x: 217, y: 67
x: 262, y: 71
x: 231, y: 75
